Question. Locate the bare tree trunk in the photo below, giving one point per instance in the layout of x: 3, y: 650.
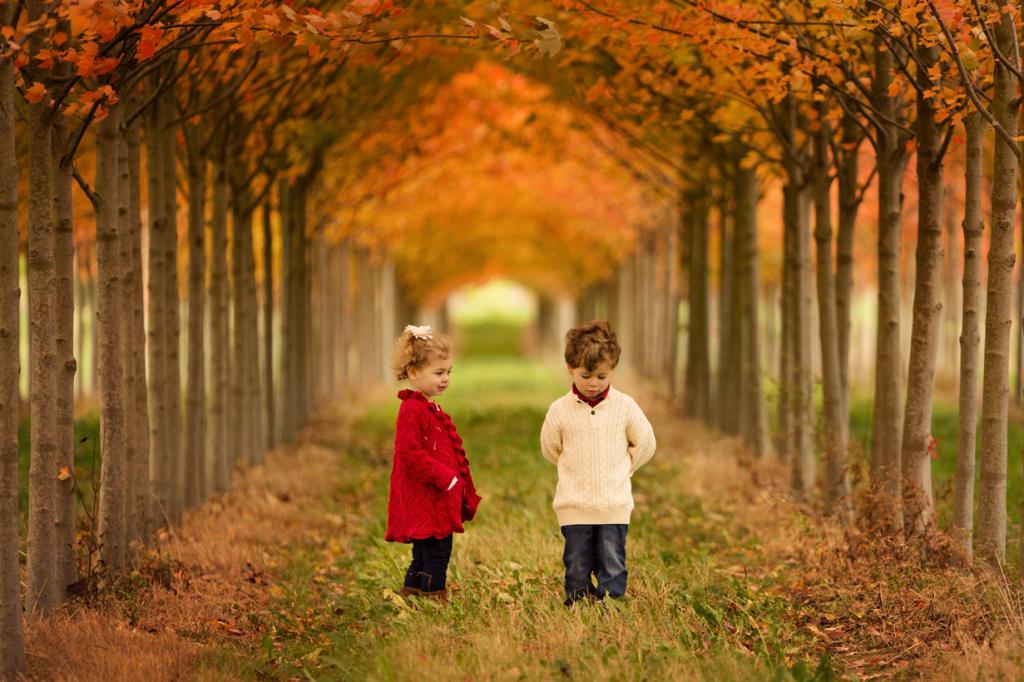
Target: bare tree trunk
x: 12, y: 639
x: 837, y: 489
x: 287, y: 421
x: 970, y: 338
x: 324, y: 329
x: 172, y: 308
x: 849, y: 204
x: 127, y: 277
x: 268, y: 324
x: 364, y: 315
x: 999, y: 314
x: 698, y: 362
x: 161, y: 457
x: 112, y: 512
x: 671, y: 323
x: 195, y: 400
x: 951, y: 296
x: 915, y: 462
x: 253, y: 384
x: 888, y: 410
x: 240, y: 417
x: 64, y: 263
x: 141, y: 517
x: 250, y: 439
x: 733, y: 357
x: 751, y: 403
x: 344, y: 313
x: 797, y: 256
x: 90, y: 293
x: 784, y: 409
x: 44, y: 590
x: 81, y: 304
x: 220, y: 462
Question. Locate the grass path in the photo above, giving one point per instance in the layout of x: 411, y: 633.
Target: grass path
x: 288, y: 577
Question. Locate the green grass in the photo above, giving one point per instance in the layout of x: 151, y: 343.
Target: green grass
x: 87, y: 433
x: 944, y: 429
x: 495, y: 338
x: 336, y: 615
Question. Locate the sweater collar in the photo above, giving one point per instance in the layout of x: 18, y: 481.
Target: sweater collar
x: 593, y: 402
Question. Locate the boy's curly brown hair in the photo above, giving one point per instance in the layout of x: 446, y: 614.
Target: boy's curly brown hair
x: 589, y: 344
x: 413, y: 353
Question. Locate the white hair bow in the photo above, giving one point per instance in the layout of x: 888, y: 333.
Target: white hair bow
x: 424, y: 332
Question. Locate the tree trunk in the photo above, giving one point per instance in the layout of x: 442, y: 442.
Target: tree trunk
x: 126, y: 282
x: 287, y: 419
x: 253, y: 384
x: 951, y: 296
x: 998, y: 316
x: 141, y: 518
x: 970, y: 338
x: 44, y: 590
x: 915, y: 462
x: 344, y: 312
x: 849, y: 204
x: 12, y: 640
x: 81, y: 304
x: 698, y: 362
x: 239, y: 361
x: 195, y: 400
x: 751, y: 403
x: 796, y: 257
x: 112, y: 511
x: 837, y: 489
x: 90, y: 293
x: 671, y: 323
x: 888, y: 410
x: 172, y: 308
x: 220, y: 462
x: 160, y: 476
x: 724, y: 296
x: 64, y: 265
x: 268, y: 325
x: 733, y: 352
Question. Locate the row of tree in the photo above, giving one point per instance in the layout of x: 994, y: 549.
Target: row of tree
x: 198, y: 118
x: 729, y: 98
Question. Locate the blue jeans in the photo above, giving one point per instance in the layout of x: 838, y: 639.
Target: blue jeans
x: 598, y: 550
x: 429, y: 568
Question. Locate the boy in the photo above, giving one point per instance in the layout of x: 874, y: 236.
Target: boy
x: 597, y: 437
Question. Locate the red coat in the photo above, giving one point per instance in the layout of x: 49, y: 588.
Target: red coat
x: 428, y: 454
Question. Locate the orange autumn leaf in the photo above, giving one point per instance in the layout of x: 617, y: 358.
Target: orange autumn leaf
x: 36, y: 93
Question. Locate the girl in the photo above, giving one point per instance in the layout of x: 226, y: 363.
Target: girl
x: 432, y: 491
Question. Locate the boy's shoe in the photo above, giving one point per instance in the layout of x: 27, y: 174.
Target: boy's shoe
x: 409, y: 592
x: 439, y: 595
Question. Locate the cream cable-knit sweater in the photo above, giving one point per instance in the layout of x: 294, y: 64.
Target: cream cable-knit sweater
x: 596, y: 450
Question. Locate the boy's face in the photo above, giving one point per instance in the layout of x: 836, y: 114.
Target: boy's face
x: 432, y: 378
x: 591, y: 382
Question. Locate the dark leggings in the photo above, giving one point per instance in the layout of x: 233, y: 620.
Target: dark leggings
x: 429, y: 565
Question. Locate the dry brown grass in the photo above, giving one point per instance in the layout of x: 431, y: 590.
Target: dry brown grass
x: 881, y: 608
x: 197, y: 586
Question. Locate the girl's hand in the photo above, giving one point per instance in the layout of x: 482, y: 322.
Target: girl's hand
x: 455, y: 479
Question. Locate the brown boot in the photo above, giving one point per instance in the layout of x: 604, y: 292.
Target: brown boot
x: 439, y: 595
x: 409, y: 592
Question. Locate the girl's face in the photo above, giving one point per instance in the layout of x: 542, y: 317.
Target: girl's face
x: 432, y: 378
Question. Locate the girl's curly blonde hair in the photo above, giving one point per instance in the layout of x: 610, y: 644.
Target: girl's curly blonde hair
x: 413, y: 351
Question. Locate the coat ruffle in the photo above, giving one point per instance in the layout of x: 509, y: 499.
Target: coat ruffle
x: 428, y: 453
